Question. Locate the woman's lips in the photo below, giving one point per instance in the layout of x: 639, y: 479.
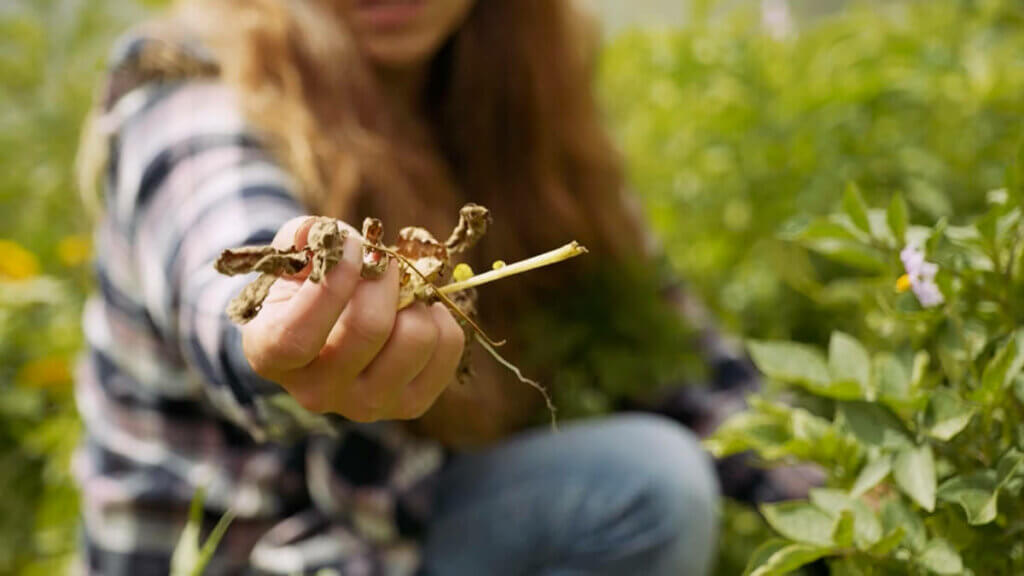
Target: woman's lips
x: 388, y: 14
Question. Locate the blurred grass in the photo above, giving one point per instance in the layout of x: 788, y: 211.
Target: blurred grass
x: 50, y: 53
x: 728, y: 133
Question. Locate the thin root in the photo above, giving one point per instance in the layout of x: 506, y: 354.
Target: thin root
x: 515, y: 370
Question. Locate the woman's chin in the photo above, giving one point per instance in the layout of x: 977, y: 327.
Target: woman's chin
x: 407, y: 51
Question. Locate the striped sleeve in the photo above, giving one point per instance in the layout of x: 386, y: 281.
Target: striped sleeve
x: 189, y: 179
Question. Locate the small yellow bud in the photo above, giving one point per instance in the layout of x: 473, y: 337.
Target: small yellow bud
x: 462, y: 272
x: 498, y: 264
x: 903, y: 283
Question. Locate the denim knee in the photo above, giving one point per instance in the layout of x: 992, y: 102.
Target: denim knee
x: 643, y: 498
x: 677, y: 493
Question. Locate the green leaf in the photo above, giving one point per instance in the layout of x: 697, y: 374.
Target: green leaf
x: 821, y: 229
x: 919, y: 370
x: 896, y: 217
x: 778, y: 558
x: 1008, y: 466
x: 874, y: 472
x: 886, y: 544
x: 866, y: 528
x: 848, y: 361
x: 188, y: 558
x: 790, y: 363
x: 1018, y: 386
x: 873, y: 424
x: 843, y: 533
x: 212, y: 541
x: 896, y: 514
x: 853, y: 254
x: 947, y: 415
x: 941, y: 558
x: 745, y: 431
x: 999, y: 372
x: 914, y: 472
x: 891, y: 378
x: 976, y: 493
x: 800, y: 522
x: 186, y: 553
x: 855, y: 208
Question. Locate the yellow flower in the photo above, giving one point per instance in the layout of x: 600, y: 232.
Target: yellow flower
x: 73, y: 250
x: 45, y: 372
x: 16, y: 262
x: 498, y: 264
x: 903, y: 283
x: 462, y: 272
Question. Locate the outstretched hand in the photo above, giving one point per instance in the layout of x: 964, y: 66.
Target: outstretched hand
x: 341, y: 346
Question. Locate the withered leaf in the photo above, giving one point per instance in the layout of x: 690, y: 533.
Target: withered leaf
x: 247, y: 304
x: 473, y: 222
x: 375, y: 262
x: 327, y: 242
x: 429, y: 257
x: 260, y: 259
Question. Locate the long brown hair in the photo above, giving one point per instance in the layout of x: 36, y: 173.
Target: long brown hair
x: 508, y: 120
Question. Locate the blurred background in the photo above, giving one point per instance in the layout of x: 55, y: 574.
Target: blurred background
x: 737, y: 118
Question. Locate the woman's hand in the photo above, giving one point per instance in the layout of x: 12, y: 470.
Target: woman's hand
x: 341, y: 345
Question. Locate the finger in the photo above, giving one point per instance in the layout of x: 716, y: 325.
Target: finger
x: 439, y: 372
x: 364, y: 326
x: 412, y: 344
x: 294, y: 235
x: 292, y: 334
x: 287, y: 236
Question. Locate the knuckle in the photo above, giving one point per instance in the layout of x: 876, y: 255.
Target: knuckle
x: 370, y: 327
x: 415, y: 328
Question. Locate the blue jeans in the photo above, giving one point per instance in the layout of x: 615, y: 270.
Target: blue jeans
x: 626, y: 495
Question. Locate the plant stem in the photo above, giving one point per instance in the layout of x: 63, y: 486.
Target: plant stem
x: 570, y: 250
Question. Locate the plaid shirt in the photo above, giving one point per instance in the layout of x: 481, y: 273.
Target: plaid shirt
x: 169, y: 400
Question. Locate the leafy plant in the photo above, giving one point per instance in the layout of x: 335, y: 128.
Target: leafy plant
x: 729, y: 133
x: 921, y: 432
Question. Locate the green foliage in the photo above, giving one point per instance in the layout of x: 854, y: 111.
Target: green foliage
x: 740, y: 143
x: 933, y: 473
x: 731, y: 135
x: 50, y: 55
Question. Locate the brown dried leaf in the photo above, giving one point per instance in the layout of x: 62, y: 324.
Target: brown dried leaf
x: 247, y: 304
x: 429, y: 257
x: 260, y: 259
x: 375, y: 262
x: 473, y: 222
x: 327, y: 242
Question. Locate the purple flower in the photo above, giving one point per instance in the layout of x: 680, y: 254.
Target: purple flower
x: 920, y: 276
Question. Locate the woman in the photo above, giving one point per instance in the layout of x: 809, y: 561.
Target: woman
x: 330, y: 423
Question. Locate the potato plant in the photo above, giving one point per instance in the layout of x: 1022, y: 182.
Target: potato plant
x: 919, y: 422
